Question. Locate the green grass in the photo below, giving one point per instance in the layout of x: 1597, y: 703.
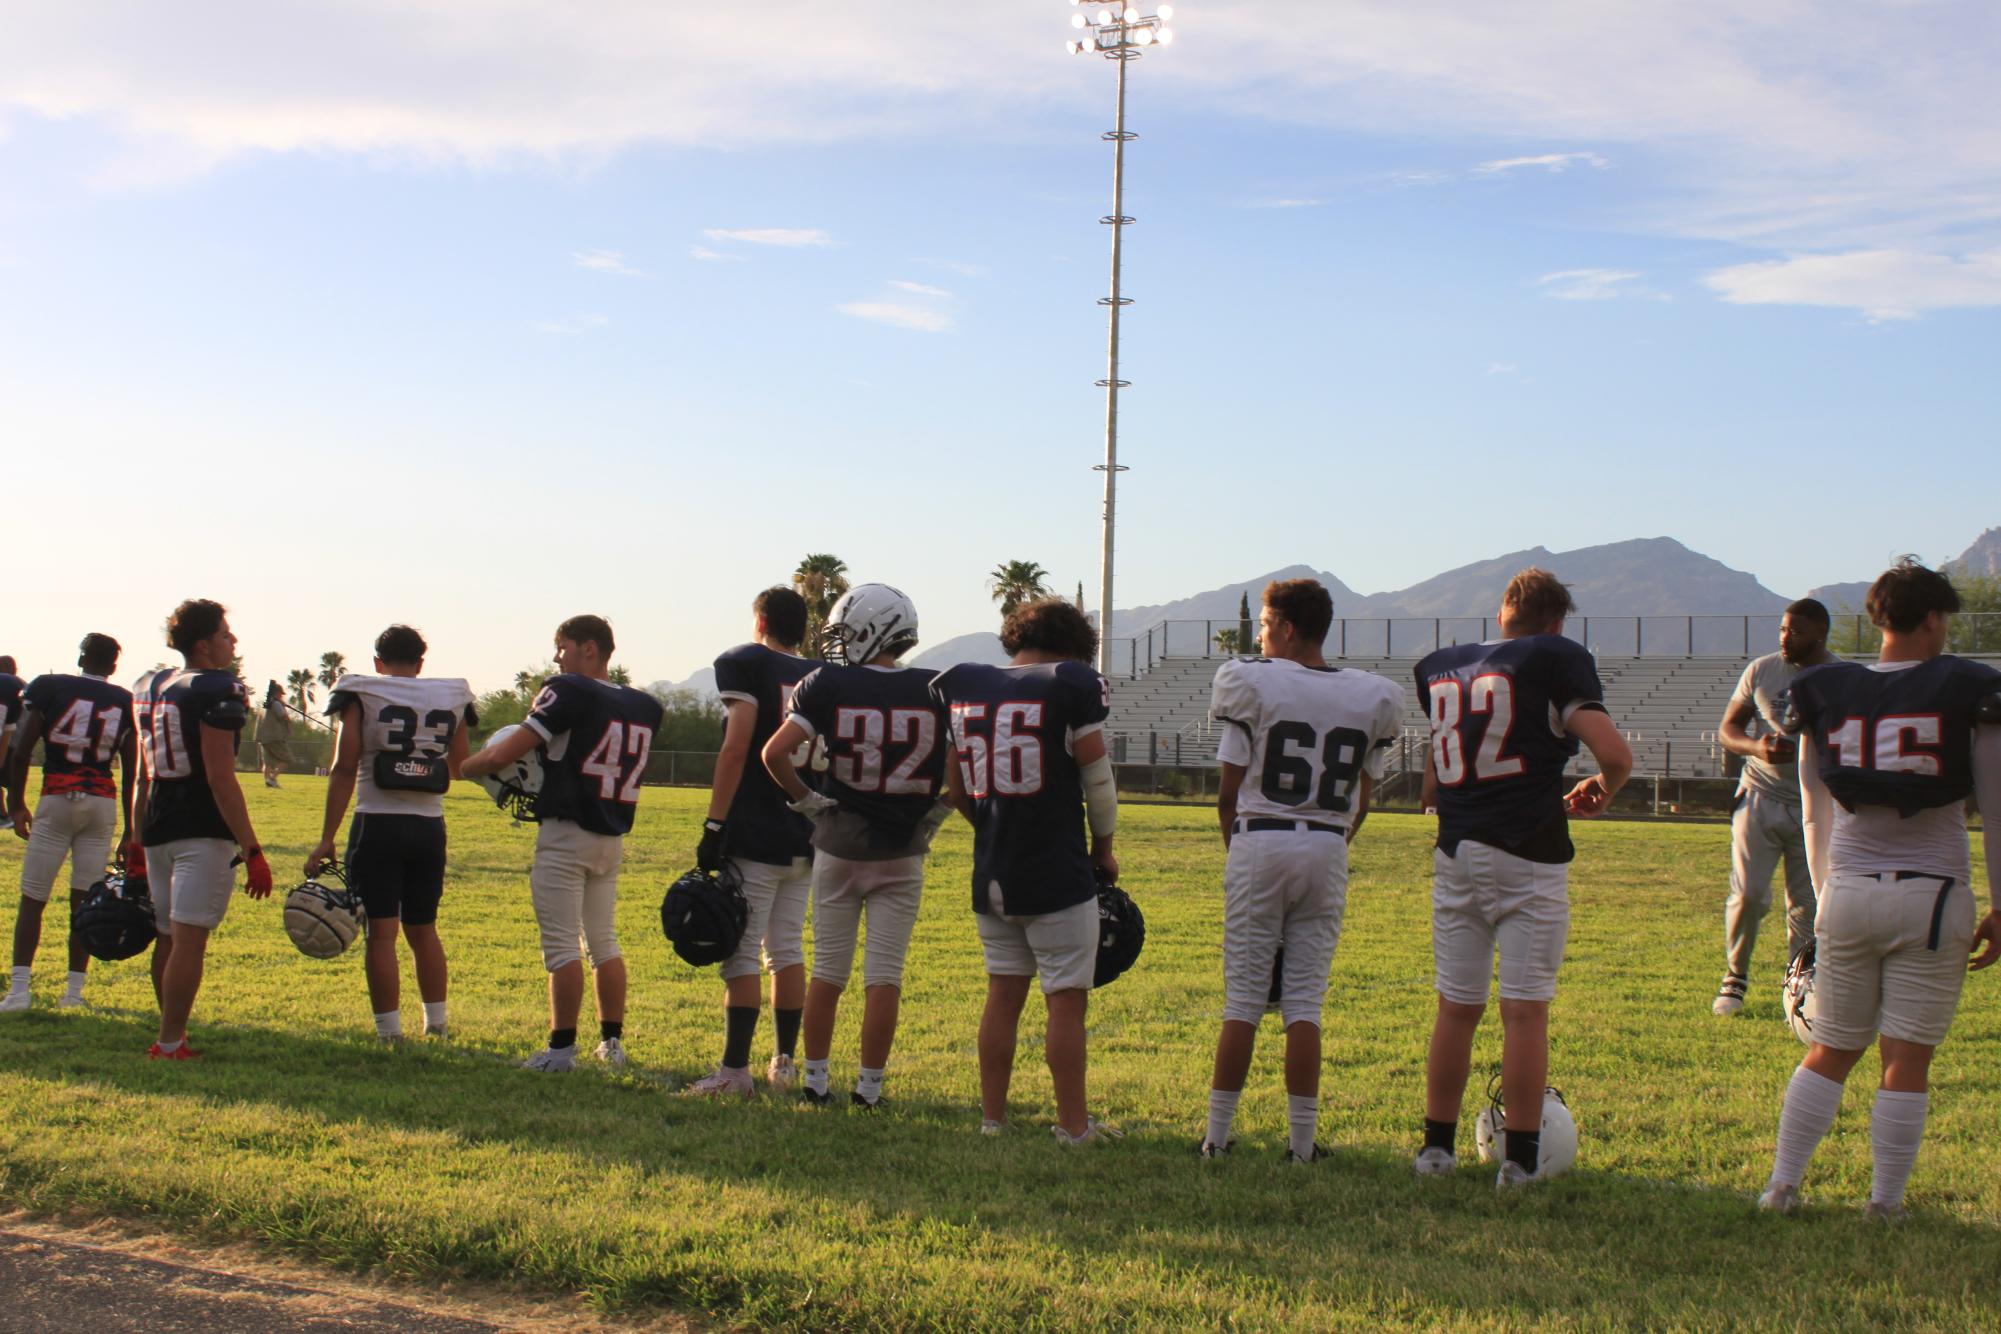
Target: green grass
x: 298, y: 1132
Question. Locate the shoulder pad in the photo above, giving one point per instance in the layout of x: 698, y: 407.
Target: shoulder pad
x: 229, y: 711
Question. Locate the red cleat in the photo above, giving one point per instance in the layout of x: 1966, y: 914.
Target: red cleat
x: 181, y: 1053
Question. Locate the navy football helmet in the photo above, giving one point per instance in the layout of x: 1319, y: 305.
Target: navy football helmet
x: 704, y: 915
x: 114, y: 917
x: 1121, y: 934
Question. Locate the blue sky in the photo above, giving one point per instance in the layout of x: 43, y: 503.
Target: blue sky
x: 475, y: 315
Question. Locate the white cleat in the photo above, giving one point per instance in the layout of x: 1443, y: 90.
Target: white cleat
x: 1883, y: 1213
x: 992, y: 1128
x: 1512, y: 1176
x: 782, y: 1074
x: 13, y: 1002
x: 722, y: 1082
x: 1780, y: 1198
x: 1095, y: 1132
x: 1730, y: 996
x: 552, y: 1061
x: 1435, y: 1162
x: 612, y: 1052
x: 71, y: 1001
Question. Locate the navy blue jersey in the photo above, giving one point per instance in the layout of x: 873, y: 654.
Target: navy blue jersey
x: 1498, y: 740
x: 761, y: 826
x: 885, y: 741
x: 172, y: 706
x: 84, y: 721
x: 596, y: 739
x: 1012, y: 728
x: 10, y: 700
x: 1901, y: 738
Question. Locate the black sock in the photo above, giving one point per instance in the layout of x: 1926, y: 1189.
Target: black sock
x: 1440, y: 1134
x: 742, y: 1028
x: 1525, y: 1148
x: 787, y: 1024
x: 609, y: 1029
x: 560, y: 1038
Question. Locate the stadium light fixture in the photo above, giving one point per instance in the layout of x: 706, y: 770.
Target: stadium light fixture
x: 1120, y: 36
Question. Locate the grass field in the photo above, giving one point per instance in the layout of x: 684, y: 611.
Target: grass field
x: 299, y: 1132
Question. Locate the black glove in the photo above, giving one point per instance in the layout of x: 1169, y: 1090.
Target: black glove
x: 709, y: 852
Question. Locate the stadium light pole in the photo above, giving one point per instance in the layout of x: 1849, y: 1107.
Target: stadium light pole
x: 1119, y: 33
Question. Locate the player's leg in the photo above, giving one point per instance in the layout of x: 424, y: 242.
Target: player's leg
x: 1530, y: 932
x: 1252, y: 921
x: 784, y: 957
x: 1066, y: 958
x: 556, y: 890
x: 1010, y: 967
x: 892, y: 892
x: 41, y: 863
x: 202, y: 881
x: 1922, y: 980
x: 1754, y: 855
x: 1462, y: 950
x: 740, y: 973
x: 423, y: 890
x: 607, y: 958
x: 376, y: 873
x: 1790, y: 832
x: 90, y: 855
x: 1317, y: 892
x: 836, y: 922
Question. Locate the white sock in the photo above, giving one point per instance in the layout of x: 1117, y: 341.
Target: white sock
x: 816, y: 1076
x: 1222, y: 1111
x: 1811, y: 1102
x: 1896, y: 1124
x: 434, y: 1014
x: 169, y: 1048
x: 1303, y: 1115
x: 869, y: 1083
x: 389, y: 1024
x: 76, y: 981
x: 21, y: 979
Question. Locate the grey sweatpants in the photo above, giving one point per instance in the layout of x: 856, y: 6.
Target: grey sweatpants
x: 1764, y: 830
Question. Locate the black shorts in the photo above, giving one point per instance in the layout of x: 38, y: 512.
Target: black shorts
x: 396, y: 863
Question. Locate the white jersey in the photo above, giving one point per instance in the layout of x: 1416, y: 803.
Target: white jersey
x: 407, y: 724
x: 1304, y: 734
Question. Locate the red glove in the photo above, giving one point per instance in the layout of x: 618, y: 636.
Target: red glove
x: 135, y: 859
x: 259, y: 872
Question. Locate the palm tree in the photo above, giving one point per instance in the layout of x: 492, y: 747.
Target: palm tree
x: 1014, y: 582
x: 820, y: 579
x: 333, y: 666
x: 1227, y: 643
x: 301, y: 681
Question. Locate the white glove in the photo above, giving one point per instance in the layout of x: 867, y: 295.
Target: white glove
x: 813, y: 805
x: 935, y: 819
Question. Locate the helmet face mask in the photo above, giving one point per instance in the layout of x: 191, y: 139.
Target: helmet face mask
x: 324, y: 919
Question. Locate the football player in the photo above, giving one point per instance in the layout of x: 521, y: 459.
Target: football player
x: 1765, y: 820
x: 1506, y: 718
x: 1313, y: 738
x: 193, y: 824
x: 885, y: 745
x: 769, y: 846
x: 1889, y: 752
x: 400, y: 737
x: 10, y: 704
x: 85, y: 723
x: 1031, y: 757
x: 595, y: 737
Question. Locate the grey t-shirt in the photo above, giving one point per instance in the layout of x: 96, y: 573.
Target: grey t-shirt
x: 1765, y: 684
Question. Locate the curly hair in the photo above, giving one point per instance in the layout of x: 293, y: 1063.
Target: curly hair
x: 1050, y: 625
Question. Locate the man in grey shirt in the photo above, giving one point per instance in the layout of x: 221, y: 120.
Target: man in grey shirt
x: 1765, y: 824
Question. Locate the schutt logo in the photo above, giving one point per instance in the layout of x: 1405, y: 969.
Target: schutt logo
x: 413, y: 768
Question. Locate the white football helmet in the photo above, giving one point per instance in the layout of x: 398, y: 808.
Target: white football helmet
x: 514, y: 788
x: 1558, y: 1146
x: 323, y: 919
x: 868, y: 621
x: 1798, y: 1005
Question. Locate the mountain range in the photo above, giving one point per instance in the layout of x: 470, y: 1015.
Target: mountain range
x: 1651, y: 576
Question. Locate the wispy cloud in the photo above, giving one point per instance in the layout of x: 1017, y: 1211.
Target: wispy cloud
x: 581, y: 324
x: 922, y: 318
x: 958, y: 266
x: 709, y: 256
x: 1550, y: 162
x: 605, y: 261
x: 1502, y: 368
x: 1285, y: 203
x: 919, y: 289
x: 1883, y: 284
x: 789, y: 237
x: 1589, y: 284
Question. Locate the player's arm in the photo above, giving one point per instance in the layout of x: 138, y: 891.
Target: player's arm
x: 128, y: 780
x: 1816, y: 814
x: 497, y: 755
x: 135, y: 824
x: 341, y: 778
x: 1226, y: 798
x: 456, y: 752
x: 1364, y: 785
x: 777, y: 757
x: 1736, y: 738
x: 1427, y: 790
x: 1595, y: 728
x: 1987, y: 790
x: 15, y: 767
x: 1101, y: 799
x: 218, y: 754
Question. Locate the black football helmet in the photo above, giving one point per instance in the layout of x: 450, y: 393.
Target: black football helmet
x: 704, y: 914
x: 114, y: 917
x: 1121, y: 934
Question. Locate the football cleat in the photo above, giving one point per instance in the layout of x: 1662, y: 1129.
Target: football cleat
x: 782, y: 1074
x: 1730, y: 996
x: 866, y: 1104
x: 1211, y: 1151
x: 552, y: 1061
x: 1313, y: 1155
x: 181, y: 1053
x: 1436, y: 1162
x: 818, y: 1097
x: 991, y: 1129
x: 1095, y: 1132
x: 13, y: 1002
x: 612, y: 1052
x: 722, y: 1082
x: 69, y: 1000
x: 1512, y: 1176
x: 867, y: 622
x: 441, y: 1033
x: 1780, y: 1198
x: 1883, y: 1213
